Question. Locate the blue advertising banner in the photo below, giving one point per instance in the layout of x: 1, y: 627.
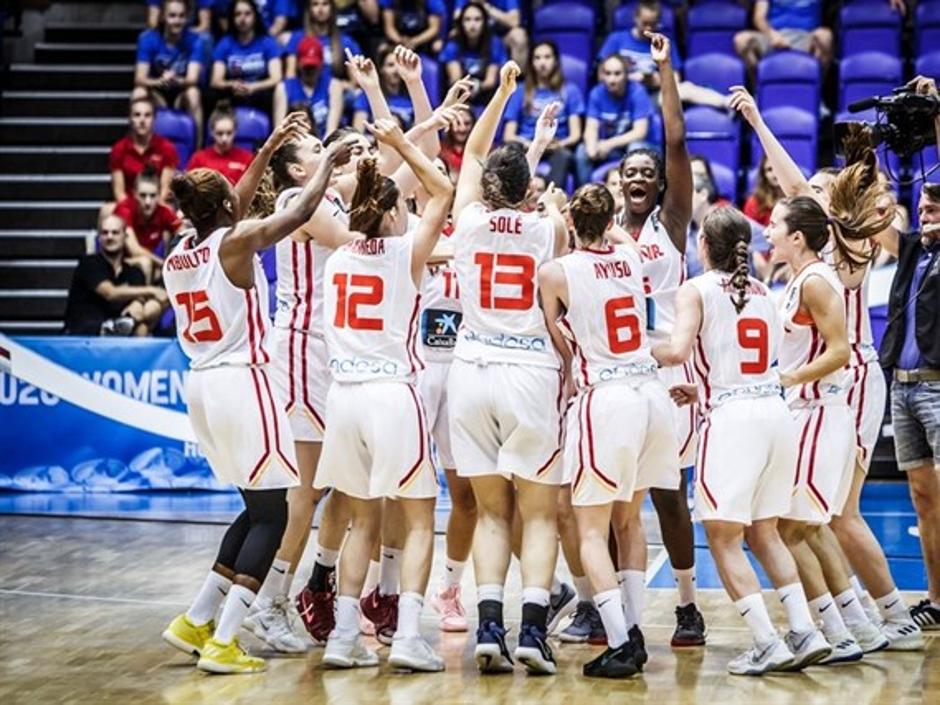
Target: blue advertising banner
x: 96, y: 415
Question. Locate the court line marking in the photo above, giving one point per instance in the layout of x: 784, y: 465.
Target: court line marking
x: 89, y: 598
x: 654, y: 567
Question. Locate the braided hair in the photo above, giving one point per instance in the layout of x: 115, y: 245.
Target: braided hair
x: 727, y: 233
x: 506, y: 177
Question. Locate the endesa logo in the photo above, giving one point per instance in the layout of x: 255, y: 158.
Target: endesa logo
x: 361, y: 366
x: 637, y: 369
x: 509, y: 342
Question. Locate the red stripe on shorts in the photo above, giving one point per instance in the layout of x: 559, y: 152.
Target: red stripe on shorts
x: 812, y: 462
x: 422, y: 437
x: 590, y: 434
x: 264, y: 425
x: 701, y: 469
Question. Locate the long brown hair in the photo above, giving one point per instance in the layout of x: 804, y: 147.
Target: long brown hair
x: 506, y: 177
x: 336, y: 43
x: 592, y: 209
x: 275, y: 179
x: 765, y: 192
x: 555, y: 80
x: 375, y: 196
x: 727, y: 234
x: 201, y: 194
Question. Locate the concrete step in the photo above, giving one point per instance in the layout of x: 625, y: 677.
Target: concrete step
x: 33, y: 304
x: 68, y: 32
x: 64, y: 77
x: 77, y: 53
x: 36, y: 273
x: 35, y: 244
x: 65, y: 103
x: 50, y: 215
x: 71, y: 131
x: 31, y: 327
x: 46, y: 187
x: 27, y: 159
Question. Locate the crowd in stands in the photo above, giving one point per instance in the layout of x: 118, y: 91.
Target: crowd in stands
x: 247, y: 63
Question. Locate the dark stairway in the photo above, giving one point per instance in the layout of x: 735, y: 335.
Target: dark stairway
x: 58, y: 119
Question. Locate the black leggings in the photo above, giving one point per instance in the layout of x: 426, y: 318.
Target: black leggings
x: 251, y: 542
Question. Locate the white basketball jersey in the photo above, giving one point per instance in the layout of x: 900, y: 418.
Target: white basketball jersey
x: 440, y: 312
x: 664, y: 269
x: 371, y: 306
x: 735, y: 353
x: 802, y: 342
x: 497, y: 256
x: 300, y: 265
x: 606, y: 317
x: 217, y: 322
x: 858, y: 324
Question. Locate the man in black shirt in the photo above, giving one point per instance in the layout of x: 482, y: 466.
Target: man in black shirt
x: 109, y: 296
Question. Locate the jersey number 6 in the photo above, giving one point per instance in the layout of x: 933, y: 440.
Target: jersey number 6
x: 752, y: 335
x: 198, y: 310
x: 348, y: 301
x: 620, y: 321
x: 507, y: 270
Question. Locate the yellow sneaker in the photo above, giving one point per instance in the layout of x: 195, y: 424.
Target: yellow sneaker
x: 228, y: 658
x: 186, y: 636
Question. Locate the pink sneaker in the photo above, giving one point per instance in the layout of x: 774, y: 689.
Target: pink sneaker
x: 447, y: 602
x: 365, y: 626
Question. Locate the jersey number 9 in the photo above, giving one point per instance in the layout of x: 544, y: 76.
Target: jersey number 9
x: 753, y: 335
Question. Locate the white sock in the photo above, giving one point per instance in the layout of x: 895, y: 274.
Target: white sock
x: 372, y: 578
x: 347, y: 615
x: 754, y: 612
x: 685, y: 582
x: 490, y: 591
x: 327, y: 557
x: 793, y: 599
x: 389, y: 568
x: 893, y: 608
x: 556, y: 584
x: 286, y: 583
x: 583, y: 587
x: 233, y: 613
x: 851, y: 609
x: 633, y: 594
x: 611, y: 610
x: 210, y: 596
x: 409, y: 614
x: 453, y: 572
x: 825, y: 609
x: 274, y: 580
x: 536, y: 596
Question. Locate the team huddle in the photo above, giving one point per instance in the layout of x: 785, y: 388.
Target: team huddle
x: 557, y: 365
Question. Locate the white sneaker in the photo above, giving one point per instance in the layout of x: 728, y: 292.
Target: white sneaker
x: 807, y: 648
x: 347, y: 652
x: 869, y: 637
x: 844, y: 649
x: 414, y: 654
x: 757, y: 661
x: 272, y: 625
x: 903, y: 636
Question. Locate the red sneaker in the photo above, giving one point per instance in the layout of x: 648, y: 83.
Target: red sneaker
x: 316, y: 610
x: 382, y: 611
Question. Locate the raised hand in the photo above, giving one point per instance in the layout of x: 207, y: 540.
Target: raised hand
x: 659, y: 47
x: 293, y: 126
x: 553, y: 196
x: 387, y: 131
x: 507, y: 76
x: 460, y: 92
x: 409, y: 64
x: 340, y: 152
x: 443, y: 118
x: 744, y: 103
x: 547, y: 124
x: 362, y: 71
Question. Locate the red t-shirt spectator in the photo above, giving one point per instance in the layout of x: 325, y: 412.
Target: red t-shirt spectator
x: 231, y: 165
x: 149, y: 232
x: 452, y: 156
x: 126, y: 158
x: 753, y: 211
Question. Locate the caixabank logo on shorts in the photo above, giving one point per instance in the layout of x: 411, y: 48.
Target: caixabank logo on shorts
x: 439, y: 328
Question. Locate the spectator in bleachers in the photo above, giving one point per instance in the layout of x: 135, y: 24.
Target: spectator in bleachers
x: 393, y: 88
x: 314, y: 88
x: 170, y: 63
x: 538, y: 185
x: 140, y: 148
x: 474, y: 52
x: 618, y: 116
x: 222, y: 155
x: 544, y: 84
x: 614, y: 184
x: 455, y: 140
x: 247, y: 61
x: 320, y: 22
x: 203, y: 15
x: 505, y: 20
x: 634, y: 46
x: 361, y: 19
x: 108, y: 295
x: 277, y: 15
x: 785, y: 24
x: 767, y: 192
x: 415, y: 24
x: 150, y: 224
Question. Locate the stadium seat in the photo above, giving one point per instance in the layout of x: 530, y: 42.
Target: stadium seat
x: 570, y: 25
x: 929, y: 64
x: 927, y: 26
x: 726, y: 181
x: 597, y: 176
x: 717, y: 71
x: 431, y: 75
x: 714, y: 135
x: 869, y: 26
x: 179, y: 128
x: 712, y: 27
x: 575, y: 71
x: 623, y: 18
x: 789, y: 78
x: 253, y: 128
x: 797, y: 131
x: 867, y: 74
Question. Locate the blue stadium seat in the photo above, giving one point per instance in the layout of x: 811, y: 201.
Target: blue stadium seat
x: 575, y: 71
x: 717, y: 71
x: 869, y: 26
x: 253, y: 128
x: 798, y: 132
x: 712, y: 27
x: 867, y: 74
x: 927, y: 26
x: 726, y: 181
x: 179, y: 128
x: 714, y: 135
x: 570, y: 25
x: 789, y: 78
x: 623, y: 18
x: 929, y: 64
x: 431, y: 75
x: 597, y: 176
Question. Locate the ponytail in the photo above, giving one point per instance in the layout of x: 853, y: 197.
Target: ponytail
x: 727, y: 234
x: 740, y: 278
x: 262, y: 205
x: 201, y: 194
x: 375, y: 195
x: 854, y: 213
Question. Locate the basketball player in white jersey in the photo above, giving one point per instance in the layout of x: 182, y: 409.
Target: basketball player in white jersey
x: 504, y: 387
x: 217, y: 287
x: 657, y: 213
x: 595, y: 308
x: 866, y: 391
x: 728, y: 324
x: 377, y: 443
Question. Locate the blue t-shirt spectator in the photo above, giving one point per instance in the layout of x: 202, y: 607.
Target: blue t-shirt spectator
x: 473, y: 63
x: 247, y: 62
x: 346, y: 42
x: 269, y: 9
x: 504, y: 5
x: 318, y: 99
x: 526, y: 117
x: 399, y: 104
x: 636, y: 51
x: 152, y: 48
x: 616, y: 114
x: 795, y: 14
x: 410, y: 21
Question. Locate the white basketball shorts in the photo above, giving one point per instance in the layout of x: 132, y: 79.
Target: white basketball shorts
x: 685, y: 420
x: 302, y: 375
x: 432, y: 385
x: 867, y: 395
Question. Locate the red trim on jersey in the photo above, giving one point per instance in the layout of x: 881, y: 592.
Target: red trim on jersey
x: 292, y: 398
x: 799, y: 458
x: 703, y: 454
x: 576, y: 349
x: 561, y: 426
x: 277, y: 433
x: 422, y: 439
x: 252, y: 476
x: 688, y: 440
x: 580, y: 473
x: 308, y: 283
x: 812, y: 462
x: 608, y: 251
x: 708, y: 370
x: 262, y: 329
x: 412, y: 339
x: 814, y: 342
x: 860, y: 412
x: 590, y: 434
x: 251, y: 327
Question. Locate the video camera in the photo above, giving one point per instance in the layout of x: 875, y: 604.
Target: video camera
x: 904, y: 122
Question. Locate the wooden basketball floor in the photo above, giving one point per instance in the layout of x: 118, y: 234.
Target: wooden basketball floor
x: 83, y: 602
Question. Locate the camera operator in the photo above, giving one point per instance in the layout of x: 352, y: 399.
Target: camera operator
x: 911, y: 348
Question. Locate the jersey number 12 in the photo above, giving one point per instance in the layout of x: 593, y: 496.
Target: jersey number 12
x: 371, y: 289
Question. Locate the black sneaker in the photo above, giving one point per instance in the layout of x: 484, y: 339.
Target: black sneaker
x: 926, y: 615
x: 613, y: 663
x: 560, y: 606
x: 638, y: 642
x: 534, y: 652
x: 690, y: 627
x: 491, y: 653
